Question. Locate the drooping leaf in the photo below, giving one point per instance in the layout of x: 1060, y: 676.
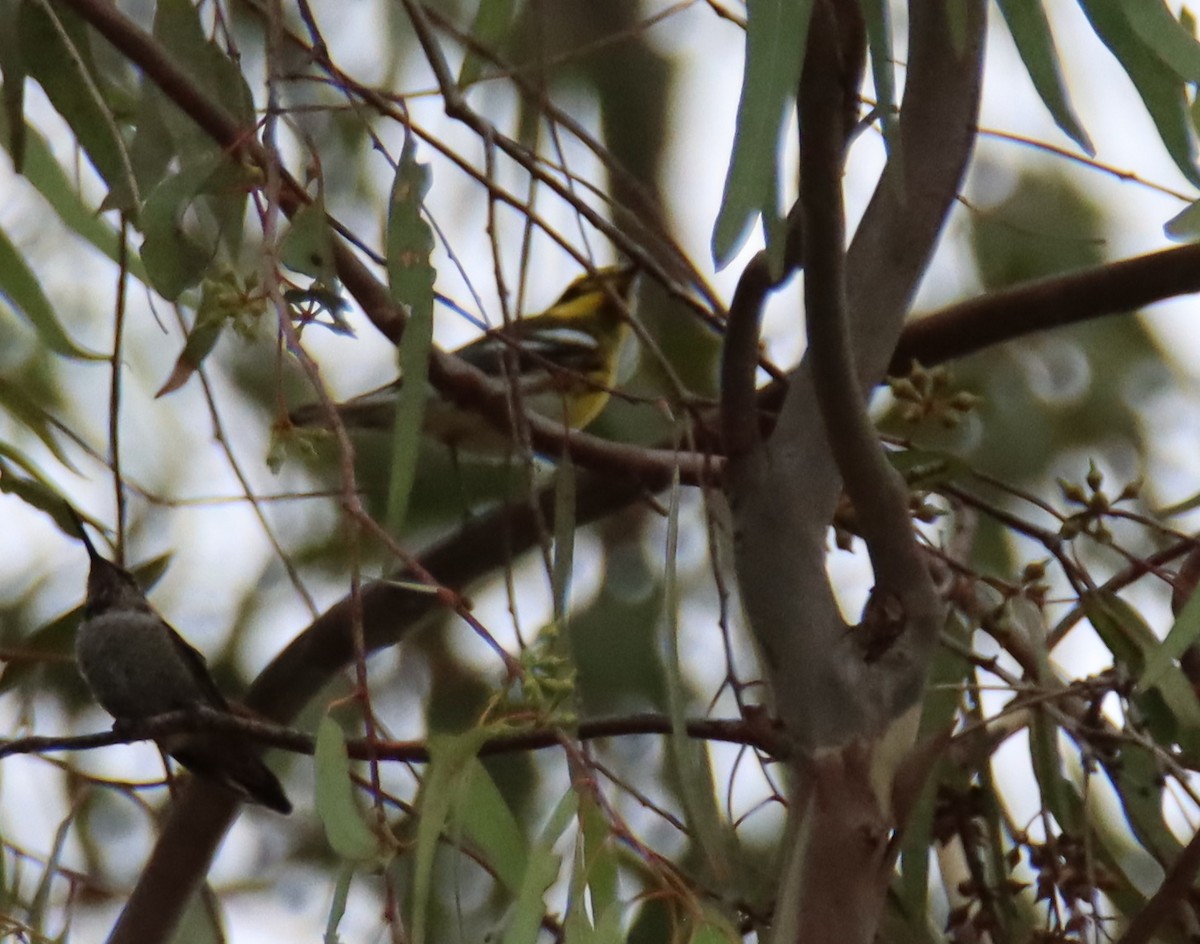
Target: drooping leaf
x: 410, y: 278
x: 1161, y: 89
x: 449, y: 757
x: 337, y: 907
x: 481, y: 817
x: 564, y: 536
x: 34, y: 487
x: 1157, y: 27
x: 1185, y: 227
x: 1180, y: 636
x: 44, y: 172
x: 20, y: 287
x: 878, y: 15
x: 1169, y: 707
x: 1030, y: 31
x: 57, y: 54
x: 493, y: 19
x: 178, y: 27
x: 12, y: 93
x: 21, y: 405
x: 175, y: 258
x: 347, y: 830
x: 525, y: 921
x: 688, y: 760
x: 776, y: 35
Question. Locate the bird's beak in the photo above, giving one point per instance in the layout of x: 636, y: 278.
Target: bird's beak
x: 83, y: 535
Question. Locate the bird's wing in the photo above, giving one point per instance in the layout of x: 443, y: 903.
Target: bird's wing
x: 198, y: 666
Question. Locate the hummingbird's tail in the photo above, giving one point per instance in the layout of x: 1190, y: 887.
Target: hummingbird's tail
x: 231, y: 762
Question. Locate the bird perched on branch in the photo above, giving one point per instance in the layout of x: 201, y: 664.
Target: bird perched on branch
x: 563, y: 362
x: 138, y: 667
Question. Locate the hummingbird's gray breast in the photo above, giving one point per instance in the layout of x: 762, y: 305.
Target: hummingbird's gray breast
x: 134, y: 666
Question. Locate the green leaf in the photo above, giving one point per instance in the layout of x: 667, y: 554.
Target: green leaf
x: 599, y: 855
x: 41, y: 899
x: 20, y: 405
x: 175, y: 258
x: 345, y: 827
x: 879, y: 38
x: 46, y: 174
x: 410, y: 277
x: 337, y: 907
x: 482, y: 817
x: 206, y: 331
x: 1154, y: 23
x: 53, y: 642
x: 307, y: 246
x: 57, y: 54
x: 35, y: 488
x: 1182, y: 634
x: 178, y: 27
x: 1138, y: 779
x: 948, y: 677
x: 1057, y: 793
x: 20, y: 287
x: 1170, y: 707
x: 450, y: 756
x: 713, y: 928
x: 493, y: 20
x: 12, y: 69
x: 544, y: 863
x: 776, y: 35
x: 688, y: 760
x: 1030, y: 31
x: 1161, y: 89
x: 594, y: 870
x: 564, y: 536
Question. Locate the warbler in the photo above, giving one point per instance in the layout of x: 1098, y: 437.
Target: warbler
x: 563, y: 362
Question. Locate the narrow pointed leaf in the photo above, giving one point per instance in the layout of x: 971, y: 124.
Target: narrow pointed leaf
x: 544, y: 864
x: 492, y: 22
x: 410, y: 278
x: 57, y: 54
x: 21, y: 289
x: 776, y: 34
x: 1030, y: 31
x: 345, y: 827
x: 1157, y: 27
x: 1161, y: 89
x: 449, y: 756
x: 883, y: 69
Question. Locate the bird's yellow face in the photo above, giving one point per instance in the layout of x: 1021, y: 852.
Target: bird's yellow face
x: 570, y: 354
x: 567, y: 357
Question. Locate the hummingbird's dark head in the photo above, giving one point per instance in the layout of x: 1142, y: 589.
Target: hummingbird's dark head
x: 110, y: 587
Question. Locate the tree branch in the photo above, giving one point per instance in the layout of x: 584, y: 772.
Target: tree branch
x: 746, y: 733
x: 1021, y: 310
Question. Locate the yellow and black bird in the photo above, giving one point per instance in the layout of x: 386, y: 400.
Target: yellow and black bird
x: 563, y: 362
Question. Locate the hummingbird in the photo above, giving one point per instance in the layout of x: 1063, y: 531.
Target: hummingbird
x: 137, y: 666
